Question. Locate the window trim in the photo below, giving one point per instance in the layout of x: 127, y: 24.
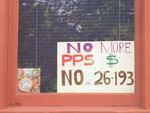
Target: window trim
x: 6, y: 95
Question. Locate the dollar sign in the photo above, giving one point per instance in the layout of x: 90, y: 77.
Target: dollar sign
x: 112, y: 60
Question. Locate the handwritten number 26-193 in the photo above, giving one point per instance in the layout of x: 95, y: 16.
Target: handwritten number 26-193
x: 125, y: 78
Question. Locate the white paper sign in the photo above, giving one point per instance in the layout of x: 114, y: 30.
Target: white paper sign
x: 95, y: 67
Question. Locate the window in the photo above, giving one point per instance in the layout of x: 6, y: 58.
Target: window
x: 74, y: 29
x: 42, y: 24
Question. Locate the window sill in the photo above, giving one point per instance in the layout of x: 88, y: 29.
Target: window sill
x: 74, y: 110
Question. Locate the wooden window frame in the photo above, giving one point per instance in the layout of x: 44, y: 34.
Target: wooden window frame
x: 16, y: 103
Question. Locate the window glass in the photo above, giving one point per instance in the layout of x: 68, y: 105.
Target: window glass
x: 58, y: 42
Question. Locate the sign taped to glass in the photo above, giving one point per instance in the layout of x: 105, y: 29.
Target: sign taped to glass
x: 98, y: 66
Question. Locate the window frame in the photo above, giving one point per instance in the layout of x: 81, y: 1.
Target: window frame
x: 58, y: 99
x: 8, y: 56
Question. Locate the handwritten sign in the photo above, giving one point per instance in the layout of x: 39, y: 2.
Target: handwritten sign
x: 95, y: 67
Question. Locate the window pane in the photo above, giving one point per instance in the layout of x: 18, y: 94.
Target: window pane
x: 44, y: 23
